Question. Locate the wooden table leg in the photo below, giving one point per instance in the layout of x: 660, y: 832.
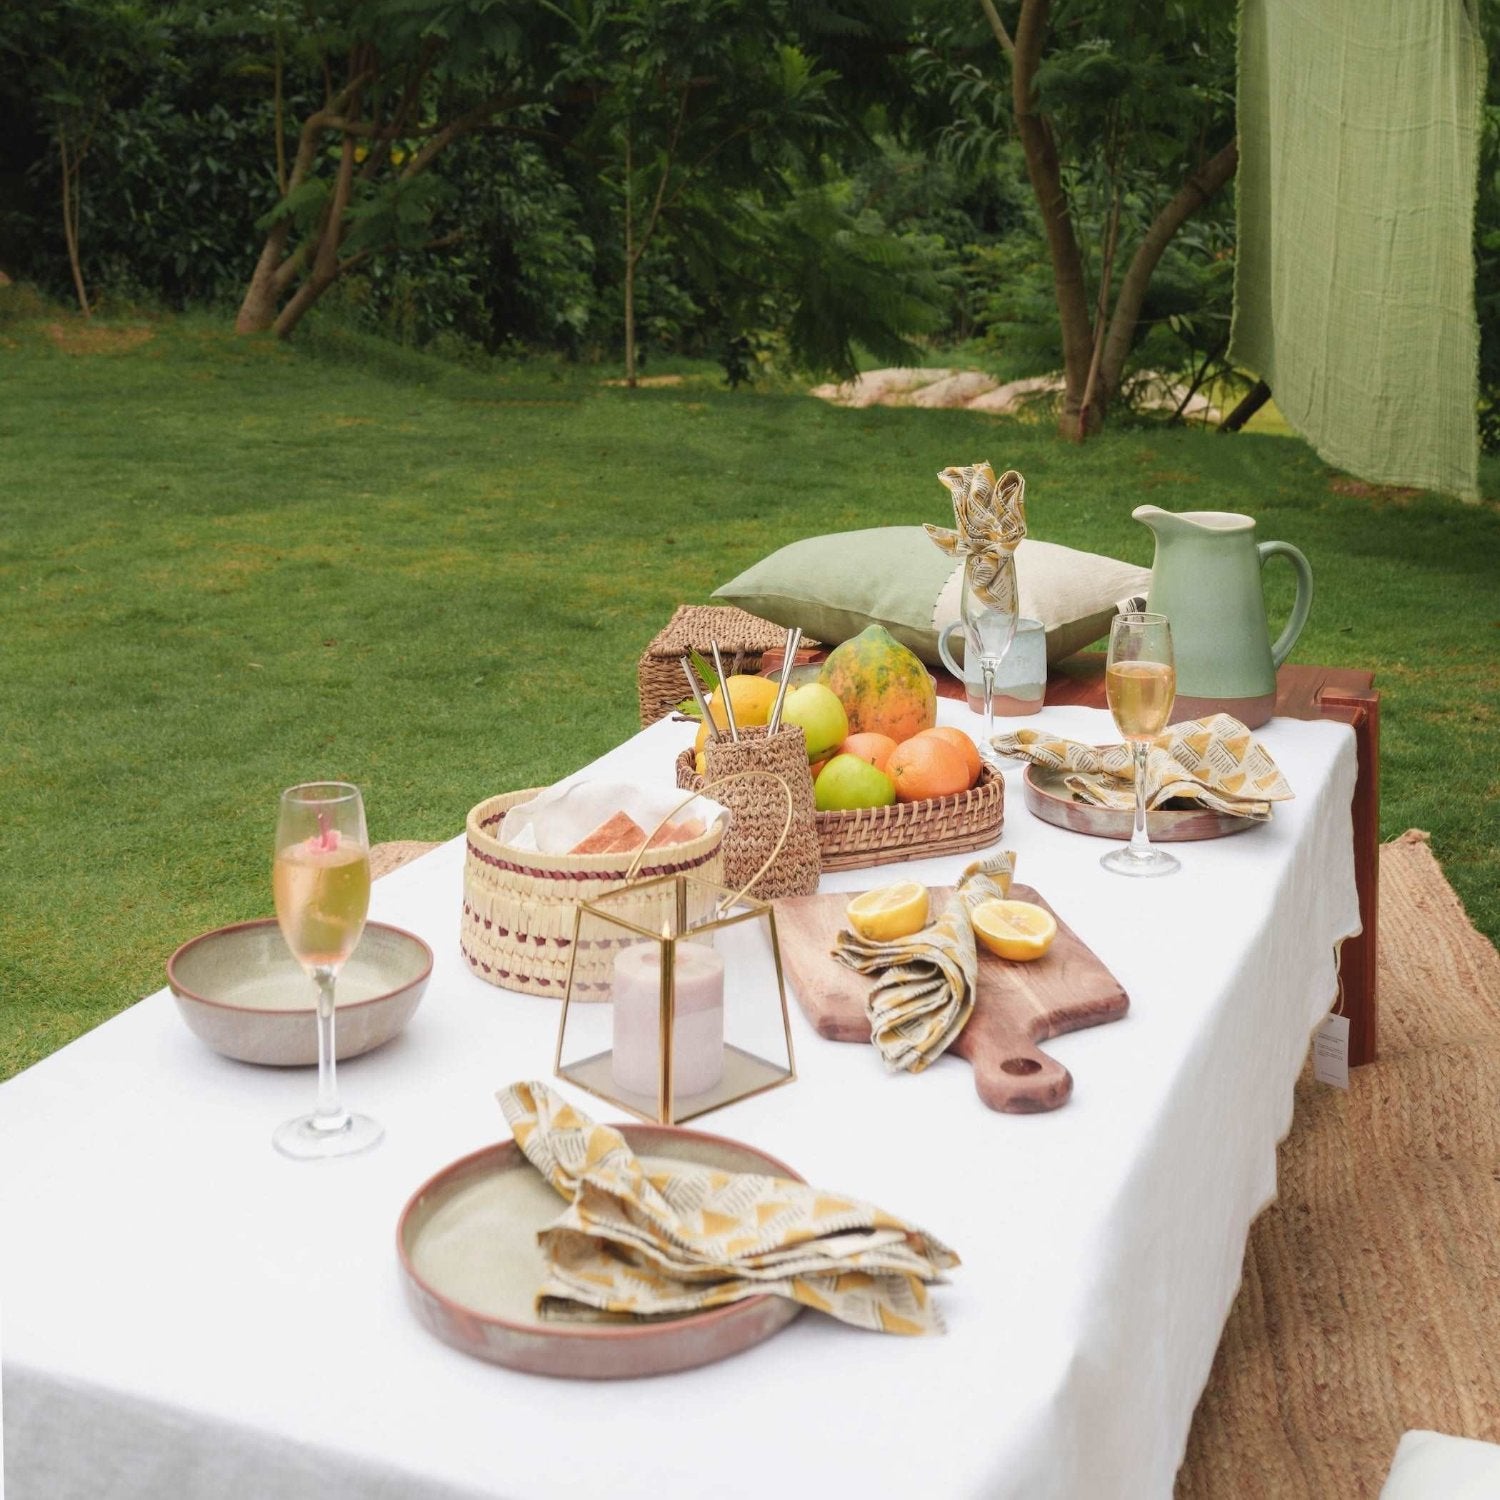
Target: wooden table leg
x: 1361, y: 709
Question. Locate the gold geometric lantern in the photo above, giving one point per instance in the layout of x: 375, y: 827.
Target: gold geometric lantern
x: 690, y: 1009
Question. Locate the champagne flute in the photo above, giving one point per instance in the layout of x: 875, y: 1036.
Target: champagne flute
x: 1140, y: 681
x: 321, y: 879
x: 989, y: 633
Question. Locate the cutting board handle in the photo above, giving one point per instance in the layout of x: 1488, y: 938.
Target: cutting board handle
x: 1012, y: 1074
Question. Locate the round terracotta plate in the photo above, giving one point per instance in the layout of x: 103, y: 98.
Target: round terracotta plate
x: 242, y: 992
x: 1047, y: 795
x: 471, y: 1268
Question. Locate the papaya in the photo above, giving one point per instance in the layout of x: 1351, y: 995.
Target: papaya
x: 884, y: 687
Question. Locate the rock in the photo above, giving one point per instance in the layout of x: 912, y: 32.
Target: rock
x: 879, y: 387
x: 956, y: 390
x: 1016, y: 395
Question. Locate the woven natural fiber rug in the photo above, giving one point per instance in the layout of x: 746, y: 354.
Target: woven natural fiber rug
x: 1371, y: 1293
x: 387, y: 857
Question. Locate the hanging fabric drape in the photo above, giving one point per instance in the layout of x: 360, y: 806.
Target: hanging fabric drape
x: 1359, y: 129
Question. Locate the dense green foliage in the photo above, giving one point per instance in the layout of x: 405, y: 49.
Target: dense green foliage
x: 835, y: 176
x: 339, y: 558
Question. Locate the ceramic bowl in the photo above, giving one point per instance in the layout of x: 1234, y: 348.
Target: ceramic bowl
x: 240, y: 990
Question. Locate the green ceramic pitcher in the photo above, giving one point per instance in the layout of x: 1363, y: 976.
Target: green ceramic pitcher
x: 1206, y: 580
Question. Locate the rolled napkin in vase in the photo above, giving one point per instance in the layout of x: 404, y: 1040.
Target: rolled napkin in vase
x: 1214, y: 762
x: 926, y: 989
x: 684, y: 1237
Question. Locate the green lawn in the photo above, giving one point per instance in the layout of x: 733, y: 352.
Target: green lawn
x: 229, y: 565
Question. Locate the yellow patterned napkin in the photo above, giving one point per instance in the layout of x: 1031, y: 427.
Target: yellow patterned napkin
x: 683, y: 1237
x: 1213, y: 762
x: 925, y: 994
x: 991, y: 517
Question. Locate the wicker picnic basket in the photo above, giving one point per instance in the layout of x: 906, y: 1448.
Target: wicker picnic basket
x: 905, y: 830
x: 743, y: 639
x: 519, y: 905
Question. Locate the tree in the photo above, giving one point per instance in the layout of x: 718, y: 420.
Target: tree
x: 401, y: 81
x: 711, y: 126
x: 77, y: 56
x: 1125, y: 117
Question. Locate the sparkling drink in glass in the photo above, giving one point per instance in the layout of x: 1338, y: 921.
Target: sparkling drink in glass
x: 1140, y: 681
x: 321, y: 880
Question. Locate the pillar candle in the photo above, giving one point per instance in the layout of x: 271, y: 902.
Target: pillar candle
x: 697, y: 1030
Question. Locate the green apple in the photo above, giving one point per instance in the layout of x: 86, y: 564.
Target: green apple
x: 851, y: 781
x: 816, y: 710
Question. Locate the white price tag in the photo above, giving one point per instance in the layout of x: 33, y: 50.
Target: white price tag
x: 1331, y: 1052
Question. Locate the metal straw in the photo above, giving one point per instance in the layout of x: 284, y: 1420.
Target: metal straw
x: 734, y: 729
x: 699, y: 699
x: 793, y: 641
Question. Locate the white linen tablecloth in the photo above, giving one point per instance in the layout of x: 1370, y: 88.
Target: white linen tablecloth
x: 187, y: 1314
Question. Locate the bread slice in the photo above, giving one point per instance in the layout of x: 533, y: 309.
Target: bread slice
x: 615, y: 835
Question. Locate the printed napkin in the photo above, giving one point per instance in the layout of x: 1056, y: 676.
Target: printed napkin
x: 991, y: 523
x: 682, y: 1237
x: 925, y: 994
x: 1213, y: 762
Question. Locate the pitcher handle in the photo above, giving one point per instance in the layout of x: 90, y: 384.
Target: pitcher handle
x: 1303, y: 603
x: 945, y: 653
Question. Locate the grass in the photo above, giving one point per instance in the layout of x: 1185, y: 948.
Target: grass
x: 230, y: 565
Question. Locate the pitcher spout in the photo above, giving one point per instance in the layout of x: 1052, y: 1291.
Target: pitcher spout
x: 1181, y: 522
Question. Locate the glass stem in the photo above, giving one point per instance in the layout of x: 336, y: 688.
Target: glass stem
x: 1140, y: 841
x: 988, y: 667
x: 329, y: 1114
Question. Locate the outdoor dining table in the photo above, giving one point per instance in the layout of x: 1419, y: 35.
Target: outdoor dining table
x: 184, y: 1313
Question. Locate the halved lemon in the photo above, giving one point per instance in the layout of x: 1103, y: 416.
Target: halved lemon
x: 1016, y: 930
x: 890, y: 911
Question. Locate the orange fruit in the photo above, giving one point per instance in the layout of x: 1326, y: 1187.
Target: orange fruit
x: 966, y: 746
x: 927, y: 766
x: 875, y: 748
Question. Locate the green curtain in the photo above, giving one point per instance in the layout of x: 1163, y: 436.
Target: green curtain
x: 1359, y: 126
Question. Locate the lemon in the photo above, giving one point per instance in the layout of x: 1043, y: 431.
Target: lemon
x: 751, y: 698
x: 1016, y: 930
x: 891, y: 911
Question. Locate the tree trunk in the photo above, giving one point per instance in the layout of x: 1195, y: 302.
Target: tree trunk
x: 1045, y: 171
x: 258, y: 310
x: 71, y: 162
x: 630, y: 260
x: 1200, y: 186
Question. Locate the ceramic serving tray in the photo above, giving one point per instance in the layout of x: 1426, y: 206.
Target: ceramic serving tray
x: 240, y: 990
x: 1047, y: 795
x: 471, y: 1268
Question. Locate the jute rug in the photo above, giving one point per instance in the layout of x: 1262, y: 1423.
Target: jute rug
x: 1371, y: 1293
x: 387, y: 857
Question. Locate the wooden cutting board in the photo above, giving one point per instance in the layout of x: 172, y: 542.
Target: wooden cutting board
x: 1019, y: 1004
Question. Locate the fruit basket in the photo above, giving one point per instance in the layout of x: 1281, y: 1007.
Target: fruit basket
x: 864, y: 836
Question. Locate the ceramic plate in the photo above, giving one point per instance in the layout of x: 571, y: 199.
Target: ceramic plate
x: 471, y: 1268
x: 1047, y: 795
x: 243, y: 993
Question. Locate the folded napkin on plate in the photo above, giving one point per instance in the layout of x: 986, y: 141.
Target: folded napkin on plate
x: 1213, y: 762
x: 683, y: 1237
x: 925, y: 995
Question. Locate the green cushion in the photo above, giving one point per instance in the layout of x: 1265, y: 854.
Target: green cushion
x: 834, y: 586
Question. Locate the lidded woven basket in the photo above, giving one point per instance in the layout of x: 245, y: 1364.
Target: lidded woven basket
x: 519, y: 905
x: 743, y: 639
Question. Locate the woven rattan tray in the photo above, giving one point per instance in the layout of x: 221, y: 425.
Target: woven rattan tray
x: 867, y: 836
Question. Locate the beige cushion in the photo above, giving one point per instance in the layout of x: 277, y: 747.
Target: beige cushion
x: 834, y: 586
